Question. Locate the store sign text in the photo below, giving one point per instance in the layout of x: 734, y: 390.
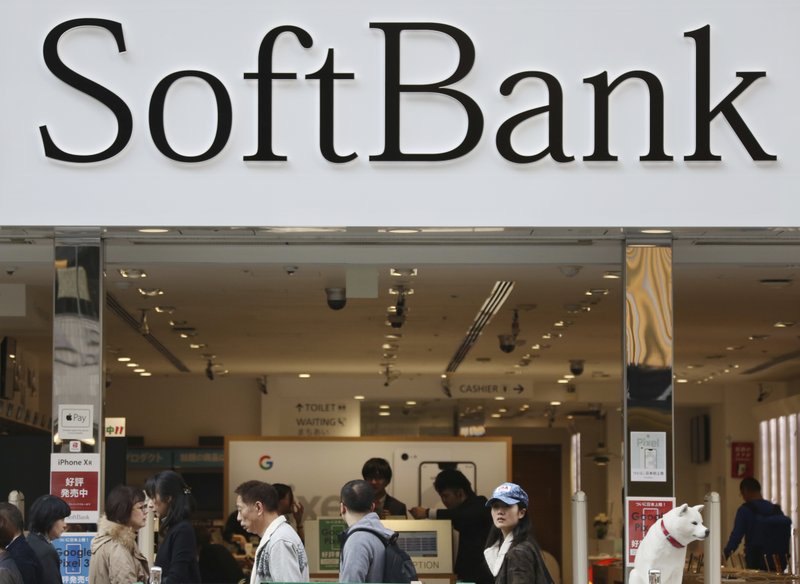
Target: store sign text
x: 328, y: 76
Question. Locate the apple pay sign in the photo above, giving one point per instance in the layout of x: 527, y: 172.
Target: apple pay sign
x: 75, y: 421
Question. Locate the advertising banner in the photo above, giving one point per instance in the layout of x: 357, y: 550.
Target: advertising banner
x: 74, y: 552
x: 642, y: 513
x: 742, y: 459
x: 76, y: 479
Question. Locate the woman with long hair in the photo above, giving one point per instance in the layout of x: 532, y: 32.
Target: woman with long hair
x: 172, y: 502
x: 46, y: 522
x: 512, y: 554
x: 116, y: 558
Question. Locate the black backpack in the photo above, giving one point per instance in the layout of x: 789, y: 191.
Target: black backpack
x: 771, y: 535
x: 398, y: 567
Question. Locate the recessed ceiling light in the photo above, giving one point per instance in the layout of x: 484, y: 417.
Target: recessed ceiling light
x: 683, y: 380
x: 406, y: 291
x: 304, y: 230
x: 411, y: 402
x: 403, y: 272
x: 569, y: 376
x: 563, y: 381
x: 536, y: 347
x: 502, y: 410
x: 165, y: 309
x: 784, y: 324
x: 197, y: 345
x: 392, y: 336
x: 641, y: 245
x: 443, y: 376
x: 151, y: 292
x: 496, y: 415
x: 655, y: 231
x: 402, y: 231
x: 304, y: 375
x: 123, y: 359
x: 555, y: 403
x: 139, y: 370
x: 612, y: 275
x: 384, y: 413
x: 146, y: 374
x: 499, y: 398
x: 358, y: 397
x: 731, y: 348
x: 384, y: 407
x: 153, y: 230
x: 757, y: 337
x: 776, y: 282
x: 132, y: 273
x: 131, y: 364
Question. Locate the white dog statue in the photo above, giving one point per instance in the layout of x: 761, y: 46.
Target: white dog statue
x: 664, y: 545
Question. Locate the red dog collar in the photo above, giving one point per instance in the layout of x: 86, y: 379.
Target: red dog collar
x: 670, y: 539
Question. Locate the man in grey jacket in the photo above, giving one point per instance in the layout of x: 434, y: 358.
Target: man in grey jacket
x: 280, y: 556
x: 363, y: 554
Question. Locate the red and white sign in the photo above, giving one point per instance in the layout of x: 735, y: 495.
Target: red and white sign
x: 76, y: 479
x: 742, y: 459
x: 642, y: 513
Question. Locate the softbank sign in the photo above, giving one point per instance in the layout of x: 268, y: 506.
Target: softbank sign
x: 321, y: 113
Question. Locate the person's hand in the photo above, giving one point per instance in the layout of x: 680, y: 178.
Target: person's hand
x: 297, y: 512
x: 418, y: 512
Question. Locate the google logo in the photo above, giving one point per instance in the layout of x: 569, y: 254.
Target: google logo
x: 265, y: 462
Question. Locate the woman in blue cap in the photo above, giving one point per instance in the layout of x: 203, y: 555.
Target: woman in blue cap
x: 512, y: 554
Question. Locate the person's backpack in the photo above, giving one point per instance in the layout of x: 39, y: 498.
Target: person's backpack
x: 398, y: 567
x: 771, y: 535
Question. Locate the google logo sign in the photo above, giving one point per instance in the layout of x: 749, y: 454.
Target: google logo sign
x: 265, y: 462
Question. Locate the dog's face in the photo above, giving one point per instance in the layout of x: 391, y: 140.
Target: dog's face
x: 685, y: 523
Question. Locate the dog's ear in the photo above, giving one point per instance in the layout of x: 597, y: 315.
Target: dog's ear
x: 682, y: 509
x: 698, y: 508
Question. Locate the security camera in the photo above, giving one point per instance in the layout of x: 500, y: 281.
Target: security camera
x: 337, y: 298
x: 396, y: 320
x: 507, y: 343
x: 576, y: 367
x: 290, y: 270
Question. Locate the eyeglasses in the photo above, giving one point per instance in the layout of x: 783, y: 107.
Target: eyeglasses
x: 141, y: 507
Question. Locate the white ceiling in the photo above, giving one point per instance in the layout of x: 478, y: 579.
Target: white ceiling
x: 234, y: 289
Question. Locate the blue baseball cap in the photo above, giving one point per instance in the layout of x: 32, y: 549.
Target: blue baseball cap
x: 510, y: 494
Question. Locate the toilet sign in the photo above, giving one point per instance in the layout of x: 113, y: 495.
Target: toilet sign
x: 320, y: 417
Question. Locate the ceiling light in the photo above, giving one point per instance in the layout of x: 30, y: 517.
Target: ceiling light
x: 139, y: 370
x: 655, y: 231
x: 197, y: 345
x: 641, y: 245
x: 358, y: 397
x: 392, y: 336
x: 411, y: 403
x: 569, y: 376
x: 131, y: 364
x: 757, y: 337
x: 153, y: 230
x: 555, y: 403
x: 123, y: 359
x: 784, y: 324
x: 683, y: 380
x: 174, y: 323
x: 776, y: 282
x: 403, y: 272
x: 304, y: 375
x: 384, y: 413
x: 132, y: 273
x: 395, y: 290
x: 496, y: 415
x: 390, y: 346
x: 402, y: 231
x: 165, y: 309
x: 611, y: 275
x: 731, y: 348
x: 384, y: 407
x: 499, y: 398
x: 304, y: 230
x: 597, y: 292
x: 563, y: 381
x: 559, y: 323
x: 502, y: 410
x: 151, y: 292
x: 536, y: 347
x: 145, y: 374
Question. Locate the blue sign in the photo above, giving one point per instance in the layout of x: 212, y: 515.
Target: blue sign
x: 74, y: 552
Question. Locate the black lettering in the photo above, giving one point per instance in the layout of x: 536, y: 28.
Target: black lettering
x: 602, y: 91
x: 224, y: 116
x: 264, y: 76
x: 109, y: 99
x: 704, y: 113
x: 555, y: 147
x: 327, y: 76
x: 393, y: 89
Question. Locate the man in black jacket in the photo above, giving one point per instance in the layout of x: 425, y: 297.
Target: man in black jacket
x: 26, y: 559
x: 470, y: 517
